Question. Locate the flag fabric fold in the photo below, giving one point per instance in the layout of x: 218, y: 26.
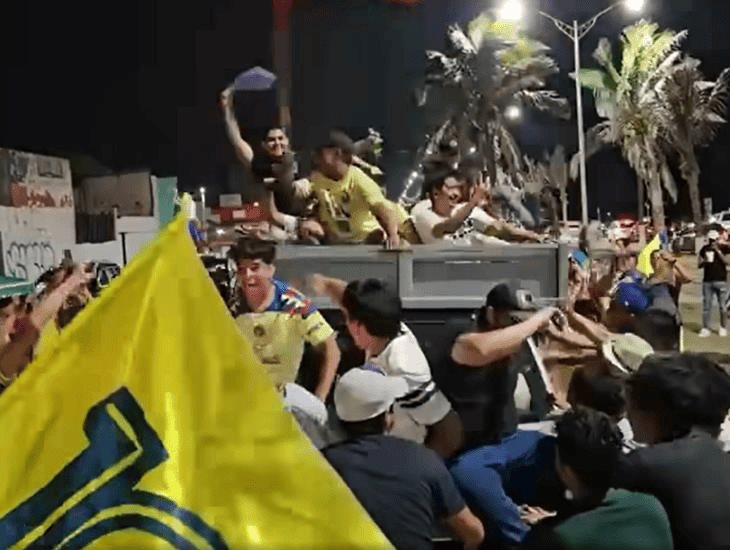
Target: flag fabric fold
x: 151, y: 425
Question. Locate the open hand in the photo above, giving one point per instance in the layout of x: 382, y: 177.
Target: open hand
x: 532, y: 516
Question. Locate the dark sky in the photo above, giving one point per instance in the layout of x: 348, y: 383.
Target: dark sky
x: 134, y: 83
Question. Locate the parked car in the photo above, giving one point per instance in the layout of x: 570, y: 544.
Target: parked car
x: 722, y: 218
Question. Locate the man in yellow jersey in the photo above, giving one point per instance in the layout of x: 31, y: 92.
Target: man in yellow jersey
x: 278, y: 320
x: 352, y: 207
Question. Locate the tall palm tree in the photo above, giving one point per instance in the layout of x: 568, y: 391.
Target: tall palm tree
x: 691, y: 110
x: 627, y: 101
x: 481, y: 73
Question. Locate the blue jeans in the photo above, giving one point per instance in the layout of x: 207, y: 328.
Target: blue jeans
x: 709, y: 291
x: 496, y: 479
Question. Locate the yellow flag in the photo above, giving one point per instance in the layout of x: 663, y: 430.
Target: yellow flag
x: 643, y: 264
x: 151, y: 425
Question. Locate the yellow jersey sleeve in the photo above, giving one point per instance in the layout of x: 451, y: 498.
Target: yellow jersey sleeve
x: 314, y: 329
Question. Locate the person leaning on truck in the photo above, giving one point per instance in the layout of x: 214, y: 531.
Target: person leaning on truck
x: 500, y: 465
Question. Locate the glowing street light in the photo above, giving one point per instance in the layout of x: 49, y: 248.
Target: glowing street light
x: 512, y: 10
x: 513, y: 112
x: 636, y: 6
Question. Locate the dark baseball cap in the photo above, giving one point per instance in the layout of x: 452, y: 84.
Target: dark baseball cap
x: 336, y: 139
x: 507, y: 297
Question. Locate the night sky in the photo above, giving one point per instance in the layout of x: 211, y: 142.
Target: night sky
x: 135, y: 83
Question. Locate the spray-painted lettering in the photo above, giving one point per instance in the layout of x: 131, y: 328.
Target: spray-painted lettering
x: 29, y: 260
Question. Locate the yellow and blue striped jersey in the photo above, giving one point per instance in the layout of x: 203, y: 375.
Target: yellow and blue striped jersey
x: 278, y: 334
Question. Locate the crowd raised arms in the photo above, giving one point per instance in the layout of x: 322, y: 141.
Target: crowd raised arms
x: 446, y: 442
x: 390, y: 413
x: 340, y: 202
x: 407, y: 435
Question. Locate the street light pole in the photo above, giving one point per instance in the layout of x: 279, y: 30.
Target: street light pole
x: 576, y: 32
x: 581, y: 127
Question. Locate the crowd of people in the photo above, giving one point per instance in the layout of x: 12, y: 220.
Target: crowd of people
x: 626, y: 454
x: 628, y: 457
x: 340, y: 201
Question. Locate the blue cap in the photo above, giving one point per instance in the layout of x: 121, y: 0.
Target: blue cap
x: 632, y: 296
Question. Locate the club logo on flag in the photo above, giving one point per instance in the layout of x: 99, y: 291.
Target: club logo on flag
x: 94, y: 495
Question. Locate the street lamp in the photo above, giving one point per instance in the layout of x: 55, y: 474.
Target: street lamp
x: 202, y: 200
x: 513, y: 10
x: 513, y: 112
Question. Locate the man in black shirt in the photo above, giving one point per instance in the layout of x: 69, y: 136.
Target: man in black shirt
x: 714, y: 282
x: 676, y: 405
x: 404, y: 486
x: 500, y: 464
x: 288, y: 199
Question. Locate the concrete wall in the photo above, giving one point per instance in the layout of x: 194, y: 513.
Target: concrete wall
x: 131, y: 193
x: 33, y: 239
x: 28, y: 180
x: 137, y: 231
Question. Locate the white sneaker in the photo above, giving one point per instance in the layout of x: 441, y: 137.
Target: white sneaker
x: 705, y: 333
x: 722, y: 332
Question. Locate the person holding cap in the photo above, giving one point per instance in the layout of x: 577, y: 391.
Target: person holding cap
x: 352, y: 207
x: 500, y: 462
x: 714, y: 282
x: 404, y: 486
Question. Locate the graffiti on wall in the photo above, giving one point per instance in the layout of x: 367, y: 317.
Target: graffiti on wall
x: 28, y: 259
x: 36, y: 181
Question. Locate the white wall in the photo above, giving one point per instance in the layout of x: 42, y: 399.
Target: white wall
x: 138, y: 231
x: 33, y: 239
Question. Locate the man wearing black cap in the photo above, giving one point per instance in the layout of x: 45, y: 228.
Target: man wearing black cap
x: 352, y: 207
x: 500, y: 464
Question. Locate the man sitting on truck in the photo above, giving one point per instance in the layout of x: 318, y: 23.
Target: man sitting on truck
x: 443, y: 216
x: 286, y: 196
x: 352, y: 207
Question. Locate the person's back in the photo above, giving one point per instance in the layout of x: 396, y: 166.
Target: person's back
x: 399, y: 483
x: 625, y: 520
x: 691, y: 478
x: 404, y: 486
x: 676, y: 405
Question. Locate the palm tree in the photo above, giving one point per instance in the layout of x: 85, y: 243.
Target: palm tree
x: 627, y: 101
x: 691, y: 110
x: 558, y: 176
x: 481, y: 73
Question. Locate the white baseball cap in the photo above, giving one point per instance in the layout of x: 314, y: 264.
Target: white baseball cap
x: 713, y: 235
x: 363, y: 394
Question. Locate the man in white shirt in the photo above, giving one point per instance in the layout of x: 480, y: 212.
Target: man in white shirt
x: 443, y: 216
x: 373, y: 316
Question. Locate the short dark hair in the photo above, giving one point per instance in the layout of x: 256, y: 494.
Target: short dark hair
x: 336, y: 139
x: 590, y: 443
x: 599, y: 392
x: 372, y: 426
x: 659, y: 328
x: 253, y: 249
x: 686, y: 390
x: 372, y: 303
x: 273, y: 128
